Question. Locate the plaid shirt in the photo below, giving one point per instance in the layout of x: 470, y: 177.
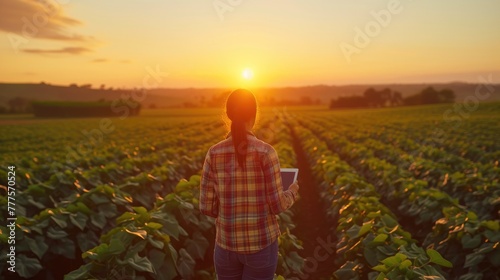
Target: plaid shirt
x: 244, y: 202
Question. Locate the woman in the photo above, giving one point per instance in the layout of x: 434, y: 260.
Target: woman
x: 241, y: 187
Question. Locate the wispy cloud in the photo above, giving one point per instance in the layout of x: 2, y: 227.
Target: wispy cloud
x: 106, y: 60
x: 67, y: 50
x: 41, y: 19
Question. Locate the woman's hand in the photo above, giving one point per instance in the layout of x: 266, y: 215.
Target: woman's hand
x: 295, y: 189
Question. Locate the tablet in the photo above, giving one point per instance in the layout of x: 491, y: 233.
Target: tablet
x: 288, y: 176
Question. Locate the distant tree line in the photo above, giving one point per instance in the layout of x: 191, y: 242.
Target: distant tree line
x: 100, y: 108
x: 17, y: 105
x: 372, y: 98
x: 430, y: 96
x: 114, y: 108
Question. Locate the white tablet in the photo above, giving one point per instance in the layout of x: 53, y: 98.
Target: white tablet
x: 288, y: 176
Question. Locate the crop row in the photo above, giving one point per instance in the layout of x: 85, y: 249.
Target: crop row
x: 371, y: 242
x: 470, y: 243
x: 66, y: 215
x: 50, y: 184
x: 475, y: 185
x: 471, y: 137
x: 123, y: 214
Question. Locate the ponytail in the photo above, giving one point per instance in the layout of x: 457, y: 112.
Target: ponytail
x: 239, y: 134
x: 241, y: 107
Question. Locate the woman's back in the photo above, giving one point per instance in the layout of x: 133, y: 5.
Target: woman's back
x: 246, y: 218
x: 241, y: 188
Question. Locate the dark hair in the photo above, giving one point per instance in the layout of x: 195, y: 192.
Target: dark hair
x: 241, y: 107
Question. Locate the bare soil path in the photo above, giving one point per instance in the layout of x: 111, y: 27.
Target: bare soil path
x: 313, y: 227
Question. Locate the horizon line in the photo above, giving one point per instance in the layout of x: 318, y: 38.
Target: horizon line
x: 259, y: 87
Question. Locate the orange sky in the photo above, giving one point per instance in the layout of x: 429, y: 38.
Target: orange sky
x: 285, y: 43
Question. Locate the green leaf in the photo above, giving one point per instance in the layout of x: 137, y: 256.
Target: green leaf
x: 27, y: 267
x: 401, y: 256
x: 473, y: 259
x: 38, y: 246
x: 140, y: 263
x: 389, y: 221
x: 156, y: 243
x: 115, y: 247
x: 166, y: 271
x: 492, y: 236
x: 64, y: 247
x: 436, y: 258
x: 36, y: 204
x: 294, y: 261
x: 87, y: 240
x: 109, y: 210
x: 494, y: 257
x: 183, y: 185
x: 472, y: 216
x: 185, y: 264
x: 381, y: 268
x: 125, y: 217
x: 364, y: 229
x: 60, y: 221
x: 83, y: 208
x: 140, y: 210
x: 469, y: 242
x: 157, y: 259
x: 370, y: 255
x: 81, y: 273
x: 405, y: 264
x: 99, y: 198
x: 171, y: 226
x: 381, y: 276
x: 154, y: 225
x: 98, y: 220
x: 79, y: 219
x: 353, y: 231
x: 386, y: 251
x: 97, y: 253
x: 392, y: 261
x: 372, y: 215
x: 56, y: 234
x: 347, y: 271
x: 493, y: 225
x: 380, y: 238
x: 197, y: 246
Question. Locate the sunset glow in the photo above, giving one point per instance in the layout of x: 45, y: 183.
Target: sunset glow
x: 293, y: 44
x: 247, y: 74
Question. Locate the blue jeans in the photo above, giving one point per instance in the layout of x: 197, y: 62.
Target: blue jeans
x: 261, y: 265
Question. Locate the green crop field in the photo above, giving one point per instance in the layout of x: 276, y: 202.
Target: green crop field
x: 403, y: 193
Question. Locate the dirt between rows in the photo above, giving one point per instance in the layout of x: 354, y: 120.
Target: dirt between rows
x: 313, y: 228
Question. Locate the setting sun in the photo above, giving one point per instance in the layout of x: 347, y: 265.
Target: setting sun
x: 247, y: 74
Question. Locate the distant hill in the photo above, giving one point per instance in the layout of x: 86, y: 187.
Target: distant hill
x: 171, y: 97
